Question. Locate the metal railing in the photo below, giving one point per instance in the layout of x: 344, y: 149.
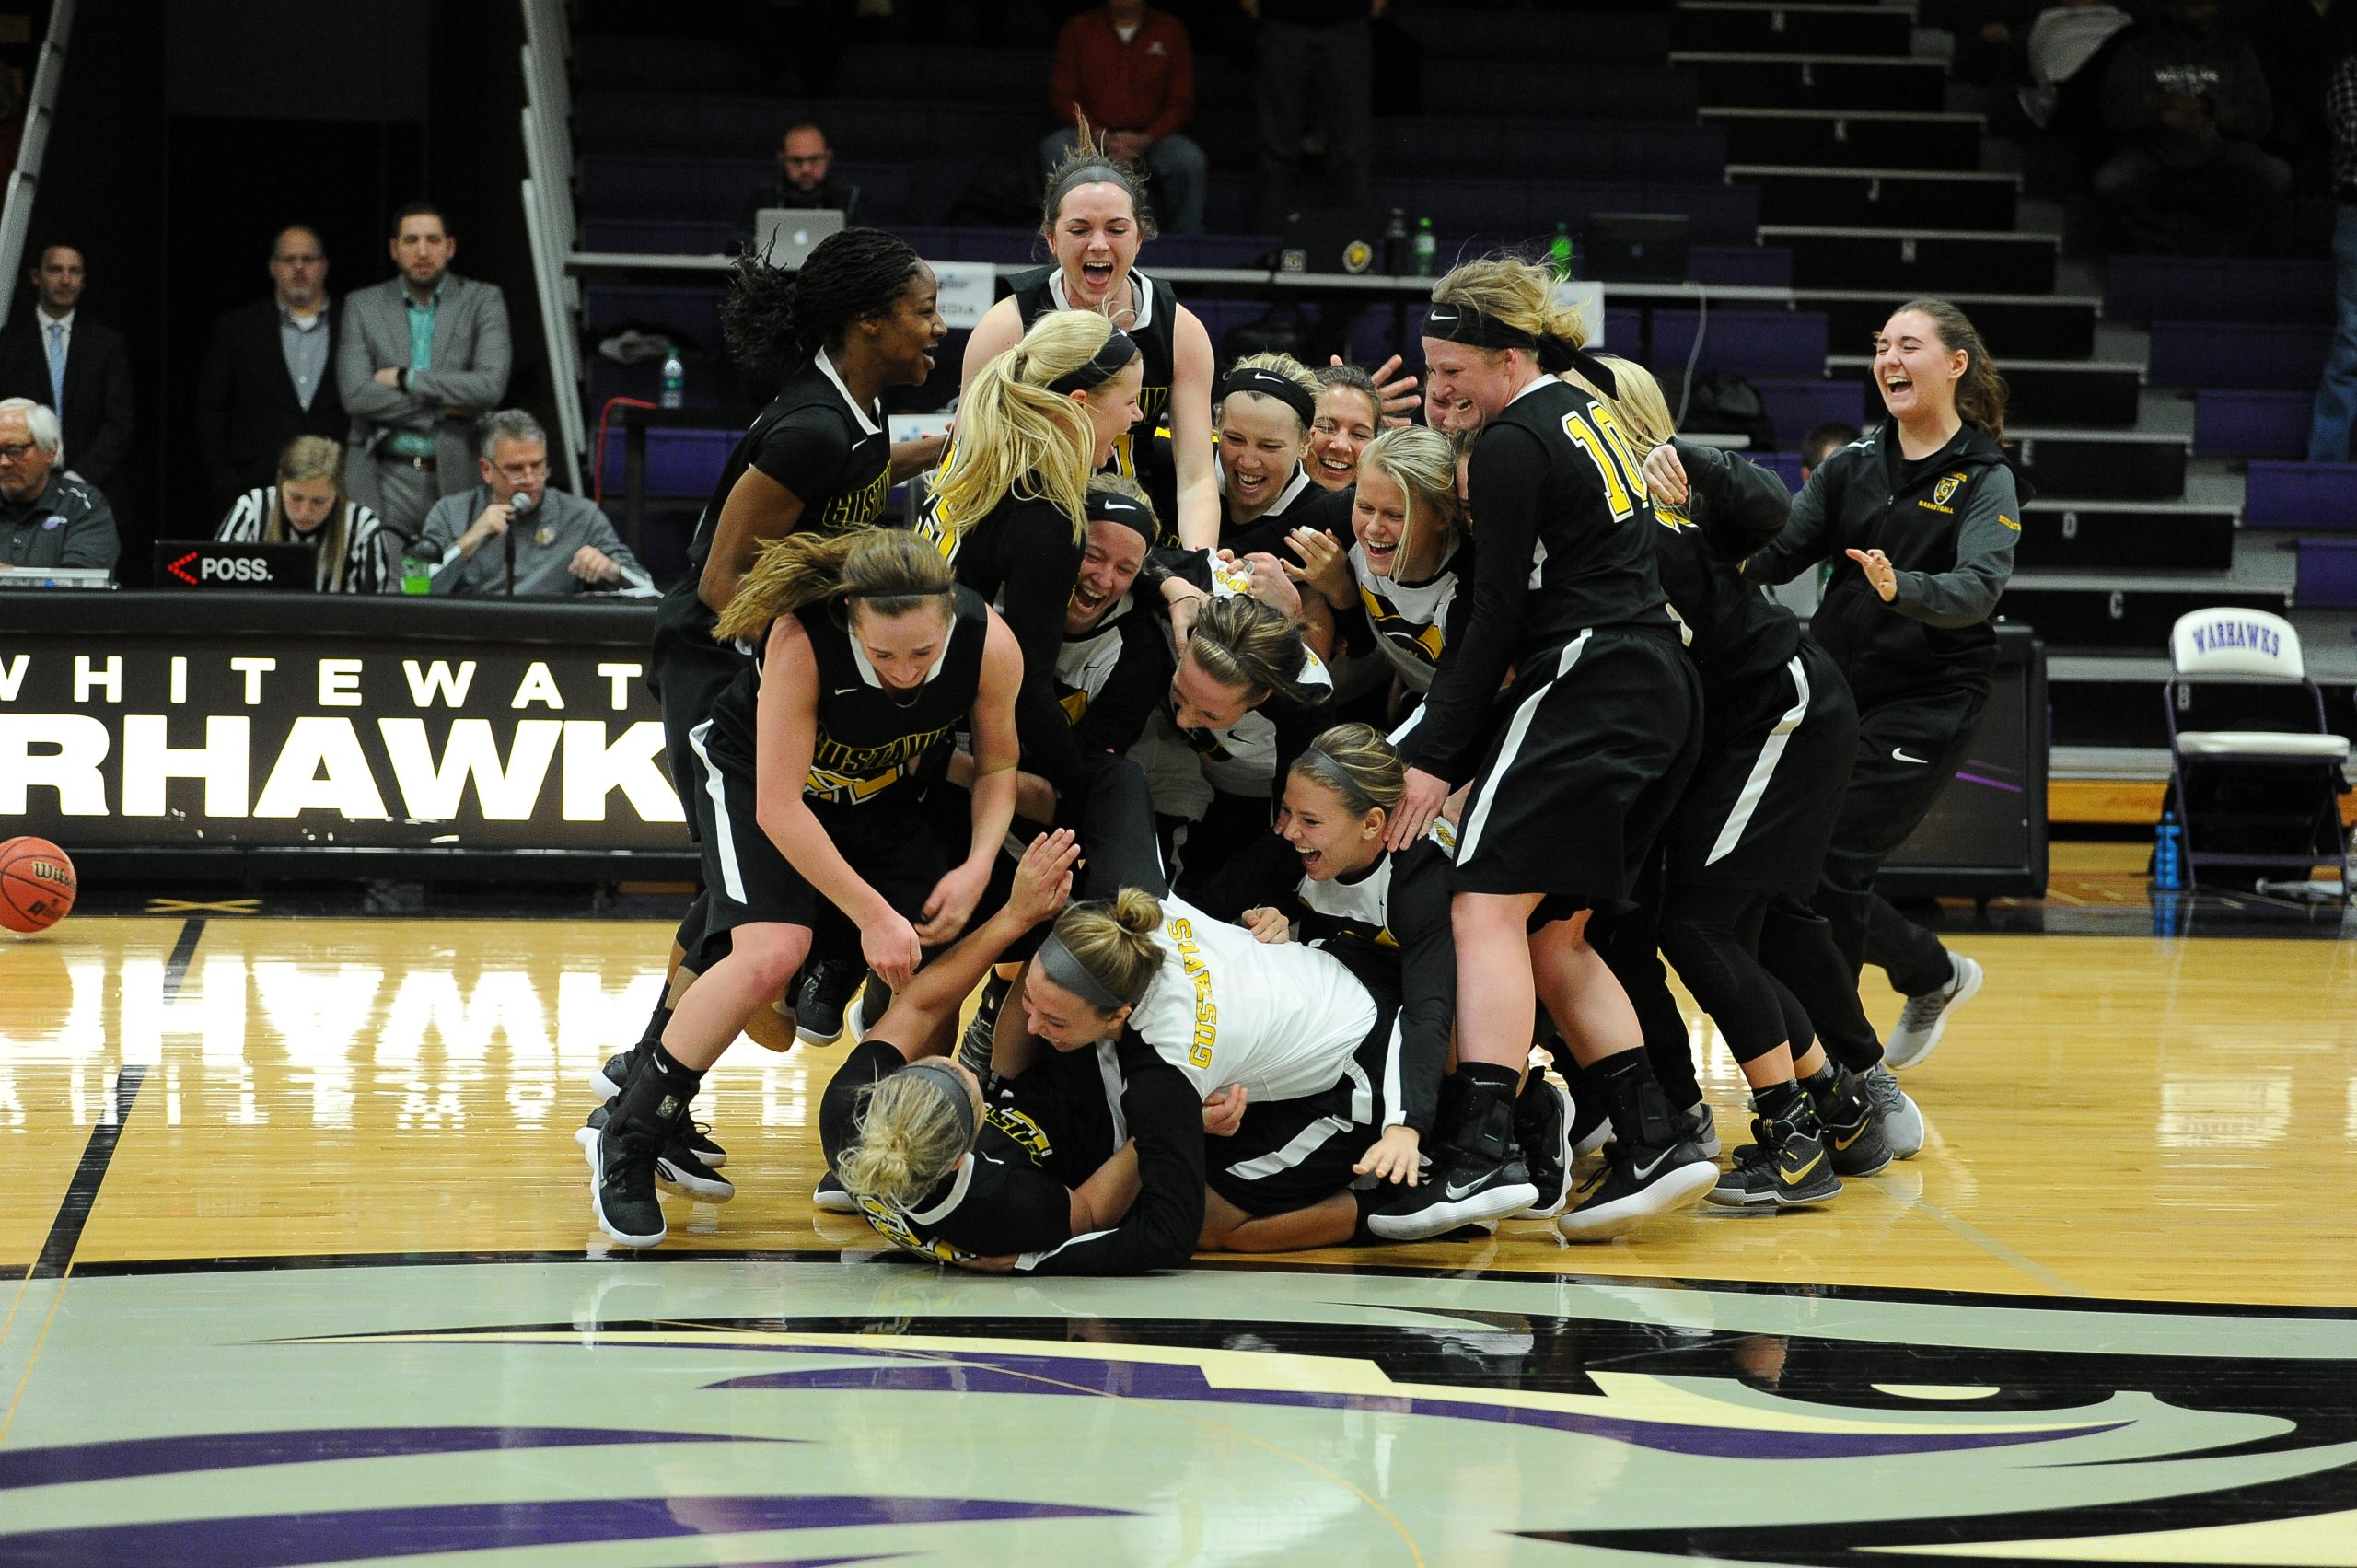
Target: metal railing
x: 548, y: 217
x: 41, y: 114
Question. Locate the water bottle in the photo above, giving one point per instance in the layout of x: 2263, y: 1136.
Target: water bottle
x: 1559, y: 253
x: 675, y: 381
x: 1426, y: 246
x: 1395, y: 243
x: 2169, y: 854
x: 417, y: 578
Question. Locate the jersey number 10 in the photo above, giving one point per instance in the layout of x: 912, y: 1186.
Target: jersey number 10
x: 1624, y: 479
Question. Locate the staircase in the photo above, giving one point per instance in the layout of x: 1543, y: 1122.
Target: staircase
x: 2142, y: 392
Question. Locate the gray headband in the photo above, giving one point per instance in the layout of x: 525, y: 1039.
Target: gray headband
x: 934, y: 1067
x: 1059, y: 964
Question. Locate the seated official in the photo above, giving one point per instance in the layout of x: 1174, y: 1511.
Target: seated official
x: 47, y: 517
x: 307, y: 506
x: 563, y: 544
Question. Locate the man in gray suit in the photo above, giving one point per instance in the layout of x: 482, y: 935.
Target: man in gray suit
x: 420, y: 357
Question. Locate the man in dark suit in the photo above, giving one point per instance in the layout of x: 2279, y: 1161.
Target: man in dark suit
x: 76, y: 365
x: 270, y: 373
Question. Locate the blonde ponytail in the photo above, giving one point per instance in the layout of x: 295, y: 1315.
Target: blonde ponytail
x: 1113, y: 940
x: 910, y: 1135
x: 890, y: 570
x: 1018, y: 436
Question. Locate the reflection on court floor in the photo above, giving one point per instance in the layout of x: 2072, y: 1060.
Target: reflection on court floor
x: 296, y: 1266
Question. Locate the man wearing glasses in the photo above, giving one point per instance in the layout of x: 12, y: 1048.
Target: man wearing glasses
x: 47, y: 518
x: 805, y: 177
x: 512, y: 534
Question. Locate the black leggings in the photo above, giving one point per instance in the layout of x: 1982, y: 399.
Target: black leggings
x: 1712, y: 936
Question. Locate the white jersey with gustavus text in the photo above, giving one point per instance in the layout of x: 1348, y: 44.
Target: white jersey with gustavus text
x: 1281, y: 1019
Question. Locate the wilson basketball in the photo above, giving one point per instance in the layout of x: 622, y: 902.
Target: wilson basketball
x: 36, y: 883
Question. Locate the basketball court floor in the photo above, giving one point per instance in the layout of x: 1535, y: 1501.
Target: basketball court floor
x: 296, y: 1266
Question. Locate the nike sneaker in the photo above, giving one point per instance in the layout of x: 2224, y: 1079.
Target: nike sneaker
x: 1786, y: 1165
x: 1925, y: 1017
x: 1542, y: 1126
x: 1483, y: 1177
x: 1846, y: 1110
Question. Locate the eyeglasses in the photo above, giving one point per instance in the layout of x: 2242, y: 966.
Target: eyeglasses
x: 16, y: 453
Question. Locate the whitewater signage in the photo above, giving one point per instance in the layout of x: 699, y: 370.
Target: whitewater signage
x: 399, y: 727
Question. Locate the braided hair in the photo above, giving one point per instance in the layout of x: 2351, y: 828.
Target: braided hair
x: 776, y: 319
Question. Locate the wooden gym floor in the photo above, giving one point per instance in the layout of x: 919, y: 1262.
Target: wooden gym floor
x: 291, y: 1217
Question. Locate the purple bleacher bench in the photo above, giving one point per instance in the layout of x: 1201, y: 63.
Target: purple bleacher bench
x: 1798, y: 404
x: 2301, y: 496
x: 2328, y: 575
x: 2239, y: 353
x: 2202, y: 289
x: 2229, y: 423
x: 1752, y: 343
x: 679, y: 463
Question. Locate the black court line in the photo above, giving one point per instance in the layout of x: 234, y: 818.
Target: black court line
x: 82, y: 1192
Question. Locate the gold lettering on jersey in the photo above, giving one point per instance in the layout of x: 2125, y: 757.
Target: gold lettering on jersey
x: 1423, y: 642
x: 1028, y: 1135
x: 1151, y: 402
x: 856, y: 508
x: 893, y: 1226
x: 1191, y: 957
x: 849, y: 774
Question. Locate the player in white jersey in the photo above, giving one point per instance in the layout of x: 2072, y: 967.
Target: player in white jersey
x: 1298, y: 1062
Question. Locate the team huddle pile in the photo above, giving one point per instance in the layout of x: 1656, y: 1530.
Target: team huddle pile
x: 1296, y: 798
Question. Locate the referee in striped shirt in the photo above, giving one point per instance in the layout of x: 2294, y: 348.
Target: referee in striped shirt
x: 350, y: 549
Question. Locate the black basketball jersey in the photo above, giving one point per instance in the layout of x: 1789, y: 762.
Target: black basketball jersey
x: 1110, y: 678
x: 999, y: 1200
x: 1144, y: 454
x: 818, y: 443
x: 1559, y: 504
x: 869, y: 739
x: 1300, y: 505
x: 1736, y: 634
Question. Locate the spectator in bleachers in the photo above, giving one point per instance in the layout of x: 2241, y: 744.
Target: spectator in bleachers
x: 47, y: 518
x: 2189, y: 106
x: 2063, y: 41
x: 307, y: 505
x: 270, y: 372
x: 1129, y: 71
x: 805, y: 177
x: 2336, y: 394
x: 74, y: 365
x: 1316, y: 67
x: 418, y: 357
x: 2298, y: 43
x: 561, y: 543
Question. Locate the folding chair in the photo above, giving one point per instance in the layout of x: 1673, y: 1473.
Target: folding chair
x: 2264, y: 796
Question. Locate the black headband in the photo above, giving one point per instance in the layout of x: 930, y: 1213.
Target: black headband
x: 1469, y: 325
x: 1108, y: 362
x: 954, y: 1086
x: 1599, y: 375
x: 1061, y: 964
x: 1269, y: 384
x: 1112, y: 506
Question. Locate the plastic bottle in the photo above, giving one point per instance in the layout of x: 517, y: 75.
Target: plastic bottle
x: 1395, y: 243
x: 417, y: 578
x: 1426, y: 247
x: 2169, y: 854
x: 675, y: 381
x: 1559, y: 252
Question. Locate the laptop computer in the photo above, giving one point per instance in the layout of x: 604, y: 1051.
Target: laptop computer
x: 185, y: 563
x: 1331, y: 239
x: 784, y: 237
x: 1638, y: 247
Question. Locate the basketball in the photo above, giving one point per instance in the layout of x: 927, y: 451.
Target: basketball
x: 36, y: 883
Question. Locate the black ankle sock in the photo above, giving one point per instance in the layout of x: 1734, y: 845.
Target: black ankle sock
x: 1624, y: 1066
x: 1488, y: 1072
x: 1779, y: 1101
x: 1825, y: 1080
x: 669, y: 1066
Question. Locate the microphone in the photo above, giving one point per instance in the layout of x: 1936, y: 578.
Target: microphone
x: 518, y: 505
